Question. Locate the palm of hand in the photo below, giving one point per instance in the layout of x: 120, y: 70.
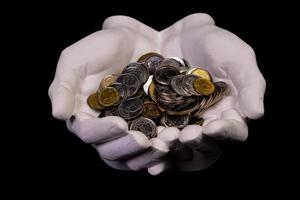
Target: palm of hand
x: 123, y: 40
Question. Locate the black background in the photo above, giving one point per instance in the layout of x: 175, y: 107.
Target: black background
x: 59, y: 156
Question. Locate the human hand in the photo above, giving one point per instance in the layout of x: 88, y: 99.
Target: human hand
x: 80, y: 68
x: 123, y: 40
x: 228, y: 59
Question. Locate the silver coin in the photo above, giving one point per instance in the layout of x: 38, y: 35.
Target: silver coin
x: 170, y: 98
x: 189, y: 105
x: 169, y: 104
x: 153, y: 63
x: 184, y: 64
x: 176, y: 84
x: 222, y: 87
x: 139, y: 69
x: 164, y: 75
x: 170, y: 62
x: 144, y: 125
x: 131, y: 108
x: 121, y: 89
x: 140, y: 94
x: 187, y: 84
x: 176, y: 121
x: 164, y: 90
x: 130, y: 81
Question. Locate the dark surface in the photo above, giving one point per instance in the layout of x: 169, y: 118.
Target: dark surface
x: 58, y: 155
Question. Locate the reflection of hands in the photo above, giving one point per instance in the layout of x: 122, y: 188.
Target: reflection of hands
x: 123, y: 40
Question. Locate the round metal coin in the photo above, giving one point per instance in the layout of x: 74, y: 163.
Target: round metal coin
x: 130, y: 81
x: 130, y: 108
x: 144, y: 125
x: 164, y: 75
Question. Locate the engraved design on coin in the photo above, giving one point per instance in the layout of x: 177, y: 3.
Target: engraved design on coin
x: 164, y: 74
x: 144, y: 125
x: 130, y: 81
x: 108, y: 96
x: 130, y: 108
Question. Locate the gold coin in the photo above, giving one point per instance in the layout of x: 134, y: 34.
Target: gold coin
x: 92, y: 101
x: 151, y: 110
x: 203, y: 86
x: 144, y: 57
x: 108, y: 96
x: 202, y: 73
x: 107, y: 81
x: 152, y: 92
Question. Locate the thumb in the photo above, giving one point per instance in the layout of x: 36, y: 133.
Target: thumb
x: 63, y: 100
x: 62, y: 90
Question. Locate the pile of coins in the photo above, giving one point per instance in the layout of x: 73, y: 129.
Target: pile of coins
x: 157, y: 91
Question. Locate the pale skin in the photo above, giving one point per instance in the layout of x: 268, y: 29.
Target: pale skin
x: 122, y: 40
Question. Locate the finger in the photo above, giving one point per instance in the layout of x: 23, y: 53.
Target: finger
x: 159, y: 167
x: 124, y: 147
x: 230, y: 126
x: 150, y: 157
x: 97, y: 130
x: 62, y: 96
x: 160, y: 128
x: 169, y: 135
x: 251, y: 98
x: 193, y: 137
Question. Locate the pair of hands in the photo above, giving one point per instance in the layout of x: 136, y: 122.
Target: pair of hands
x: 123, y: 40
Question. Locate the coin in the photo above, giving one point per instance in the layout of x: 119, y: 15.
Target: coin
x: 121, y: 89
x: 152, y: 91
x: 151, y: 110
x: 175, y: 121
x: 189, y: 105
x: 108, y: 96
x: 146, y: 56
x: 165, y: 90
x: 176, y: 84
x: 164, y: 75
x: 184, y: 65
x: 93, y: 103
x: 170, y: 62
x: 222, y: 87
x: 138, y: 69
x: 155, y: 90
x: 187, y: 84
x: 202, y: 73
x: 130, y: 81
x: 151, y: 60
x: 144, y: 125
x: 140, y: 94
x: 203, y: 86
x: 130, y: 108
x: 108, y: 80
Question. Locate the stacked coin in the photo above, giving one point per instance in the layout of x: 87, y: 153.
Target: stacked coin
x: 157, y: 91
